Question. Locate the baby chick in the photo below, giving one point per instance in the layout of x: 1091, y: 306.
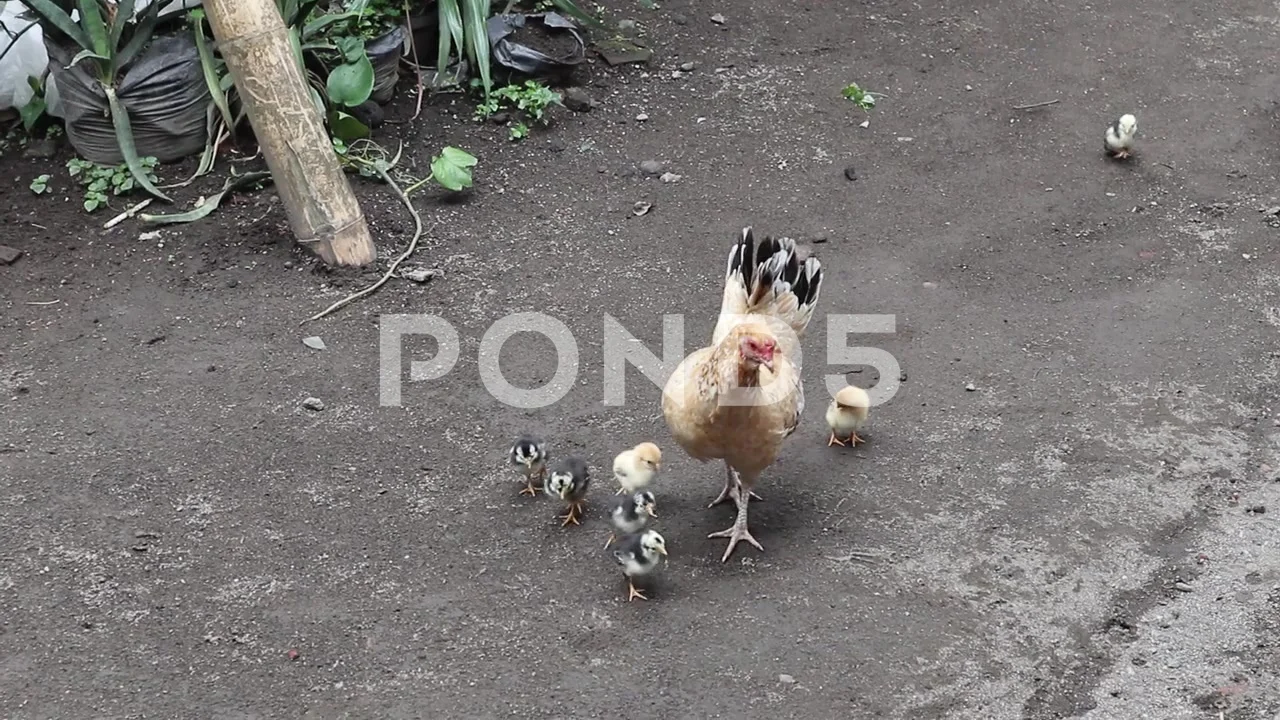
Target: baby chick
x: 632, y: 515
x: 568, y: 481
x: 634, y: 469
x: 529, y: 455
x: 638, y: 554
x: 1118, y: 140
x: 847, y: 414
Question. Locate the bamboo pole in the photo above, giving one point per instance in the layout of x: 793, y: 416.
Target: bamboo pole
x: 322, y: 210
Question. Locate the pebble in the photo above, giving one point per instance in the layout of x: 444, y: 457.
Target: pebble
x: 905, y: 138
x: 670, y: 177
x: 1273, y: 210
x: 970, y: 387
x: 313, y: 342
x: 577, y: 100
x: 1182, y: 587
x: 419, y: 274
x: 850, y: 173
x: 786, y: 679
x: 679, y: 19
x: 642, y: 117
x: 628, y: 27
x: 717, y: 19
x: 687, y: 67
x: 930, y: 285
x: 41, y: 149
x: 902, y: 377
x: 313, y: 404
x: 968, y: 88
x: 1257, y: 510
x: 651, y: 167
x: 9, y: 255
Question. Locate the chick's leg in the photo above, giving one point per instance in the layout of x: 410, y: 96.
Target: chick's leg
x: 633, y: 593
x: 834, y: 440
x: 855, y: 438
x: 571, y: 514
x: 528, y: 487
x: 739, y: 531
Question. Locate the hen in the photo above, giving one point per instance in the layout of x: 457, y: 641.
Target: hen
x: 740, y: 397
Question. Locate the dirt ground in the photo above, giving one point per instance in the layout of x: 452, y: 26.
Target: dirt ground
x: 1088, y: 533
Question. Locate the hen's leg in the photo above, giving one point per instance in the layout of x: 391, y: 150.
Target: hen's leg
x: 739, y: 531
x: 730, y: 488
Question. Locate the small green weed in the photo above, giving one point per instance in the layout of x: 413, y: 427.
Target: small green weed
x: 99, y: 179
x: 40, y: 184
x: 530, y: 100
x: 862, y: 98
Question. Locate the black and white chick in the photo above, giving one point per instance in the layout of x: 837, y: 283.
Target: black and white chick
x: 529, y: 455
x: 568, y: 481
x: 1118, y: 140
x: 632, y: 515
x: 639, y: 554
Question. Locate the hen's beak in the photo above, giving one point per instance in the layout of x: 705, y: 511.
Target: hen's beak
x: 767, y: 363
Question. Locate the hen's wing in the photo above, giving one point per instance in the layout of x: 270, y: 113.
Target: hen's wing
x: 769, y: 280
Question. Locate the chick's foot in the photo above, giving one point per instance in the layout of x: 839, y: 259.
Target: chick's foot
x: 633, y: 593
x: 855, y: 438
x: 834, y: 440
x: 528, y: 489
x: 574, y: 512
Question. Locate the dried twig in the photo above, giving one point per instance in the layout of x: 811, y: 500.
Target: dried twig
x: 1032, y: 106
x: 128, y: 213
x: 413, y: 245
x: 46, y: 302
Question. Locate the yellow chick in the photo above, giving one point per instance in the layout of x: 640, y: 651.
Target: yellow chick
x: 847, y: 414
x: 634, y: 469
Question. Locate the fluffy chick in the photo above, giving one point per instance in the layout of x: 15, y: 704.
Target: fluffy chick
x: 634, y: 469
x: 847, y: 414
x: 529, y: 455
x: 639, y: 555
x: 568, y: 481
x: 632, y: 515
x: 1118, y: 140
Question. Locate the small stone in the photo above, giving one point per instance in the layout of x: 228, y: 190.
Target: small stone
x: 642, y: 117
x: 500, y: 118
x: 679, y: 19
x: 313, y: 404
x: 929, y: 285
x: 968, y: 88
x: 903, y: 376
x: 9, y: 255
x: 641, y: 208
x: 819, y: 240
x: 905, y: 138
x: 970, y: 387
x: 629, y: 27
x: 41, y: 149
x: 577, y: 100
x: 688, y: 67
x: 717, y: 19
x: 1272, y: 210
x: 851, y: 173
x: 864, y: 124
x: 1183, y: 587
x: 1257, y: 510
x: 313, y: 342
x: 651, y: 167
x: 149, y: 236
x: 1246, y: 256
x: 670, y: 177
x: 419, y: 274
x: 293, y: 655
x: 786, y: 679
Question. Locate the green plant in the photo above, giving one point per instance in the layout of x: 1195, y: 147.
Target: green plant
x: 451, y: 169
x: 374, y: 18
x: 40, y: 184
x: 35, y: 108
x: 109, y: 37
x: 462, y: 26
x: 862, y: 98
x: 98, y: 179
x: 530, y: 100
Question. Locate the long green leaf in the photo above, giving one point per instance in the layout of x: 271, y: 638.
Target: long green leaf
x: 142, y: 32
x: 568, y: 7
x: 124, y: 136
x: 124, y: 14
x: 92, y: 21
x: 474, y: 15
x: 59, y: 18
x: 450, y: 33
x: 83, y: 54
x: 315, y: 26
x: 210, y: 72
x: 210, y: 204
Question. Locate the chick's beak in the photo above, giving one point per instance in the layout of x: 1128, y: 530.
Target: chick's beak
x: 662, y: 550
x: 649, y: 509
x: 564, y: 490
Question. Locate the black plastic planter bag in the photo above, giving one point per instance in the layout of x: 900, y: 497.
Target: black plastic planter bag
x: 163, y: 91
x: 384, y: 54
x: 526, y: 60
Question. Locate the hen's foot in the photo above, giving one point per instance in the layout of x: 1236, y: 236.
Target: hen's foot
x: 633, y: 593
x: 854, y: 439
x: 738, y: 532
x: 834, y: 440
x: 528, y: 489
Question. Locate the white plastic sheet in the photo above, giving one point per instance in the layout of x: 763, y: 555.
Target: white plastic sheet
x: 27, y: 57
